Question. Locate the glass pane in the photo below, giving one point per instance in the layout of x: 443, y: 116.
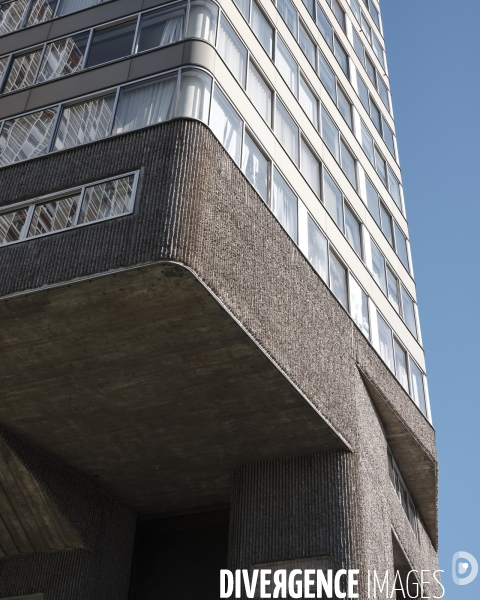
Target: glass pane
x: 310, y: 168
x: 374, y: 13
x: 244, y: 7
x: 108, y: 199
x: 385, y: 342
x: 202, y: 21
x: 392, y: 290
x: 348, y: 165
x: 11, y: 225
x: 11, y: 15
x: 355, y: 9
x: 358, y: 46
x: 382, y: 90
x: 145, y: 104
x: 344, y: 107
x: 401, y: 366
x: 262, y: 29
x: 380, y: 166
x: 330, y: 134
x: 308, y: 102
x: 22, y: 72
x: 370, y: 70
x: 286, y: 65
x: 194, y: 96
x: 378, y: 267
x: 401, y: 246
x: 3, y: 65
x: 359, y: 307
x: 26, y: 137
x: 111, y: 43
x: 307, y: 46
x: 42, y: 10
x: 289, y: 15
x: 388, y: 137
x: 310, y: 4
x: 394, y: 188
x: 409, y: 312
x: 338, y: 280
x: 332, y: 198
x: 372, y: 200
x: 286, y: 131
x: 284, y: 205
x: 53, y: 216
x: 363, y: 92
x: 324, y: 26
x: 338, y: 12
x: 232, y: 51
x: 352, y: 231
x: 317, y: 249
x: 418, y: 392
x: 63, y: 57
x: 69, y: 6
x: 376, y: 117
x: 367, y: 143
x: 84, y: 122
x: 226, y: 124
x: 162, y: 27
x: 259, y: 93
x: 341, y: 56
x: 255, y: 167
x: 327, y: 77
x: 377, y: 48
x: 386, y: 223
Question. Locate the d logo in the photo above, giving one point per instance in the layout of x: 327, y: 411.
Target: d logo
x: 460, y: 568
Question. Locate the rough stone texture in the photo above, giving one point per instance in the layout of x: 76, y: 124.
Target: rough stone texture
x: 99, y: 573
x: 196, y: 208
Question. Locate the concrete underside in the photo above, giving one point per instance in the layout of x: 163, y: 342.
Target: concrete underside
x: 142, y: 383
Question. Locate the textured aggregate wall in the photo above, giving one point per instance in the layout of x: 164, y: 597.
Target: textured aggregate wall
x: 194, y: 206
x: 100, y: 573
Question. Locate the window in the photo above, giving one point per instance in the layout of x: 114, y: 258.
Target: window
x: 352, y: 230
x: 376, y: 117
x: 393, y: 290
x: 286, y: 131
x: 401, y: 491
x: 394, y: 188
x: 338, y: 280
x: 3, y: 65
x: 418, y: 391
x: 202, y: 20
x: 378, y: 267
x: 11, y: 225
x: 377, y: 48
x: 367, y: 143
x: 146, y: 103
x: 330, y: 134
x: 359, y: 307
x: 232, y: 51
x: 308, y: 102
x: 408, y: 308
x: 63, y: 57
x: 371, y: 72
x: 310, y: 168
x: 262, y: 29
x: 386, y: 223
x: 26, y: 137
x: 69, y: 6
x: 401, y: 369
x: 317, y: 249
x: 327, y: 77
x: 363, y: 93
x: 401, y: 246
x: 84, y: 122
x: 332, y: 198
x: 382, y: 90
x: 286, y: 65
x: 372, y: 200
x: 385, y: 346
x: 355, y: 9
x: 226, y: 124
x: 259, y: 93
x: 23, y: 70
x: 42, y: 10
x: 54, y: 216
x: 339, y: 13
x: 358, y: 46
x: 244, y: 7
x: 111, y: 43
x: 310, y: 5
x: 194, y: 96
x: 284, y: 205
x: 306, y: 44
x: 255, y: 167
x: 345, y: 107
x: 324, y: 25
x: 380, y: 166
x: 341, y: 56
x: 107, y: 200
x: 374, y: 14
x: 161, y: 27
x: 348, y: 164
x: 388, y: 137
x: 289, y: 15
x: 11, y: 15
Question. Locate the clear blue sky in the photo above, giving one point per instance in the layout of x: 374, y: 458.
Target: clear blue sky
x: 433, y: 52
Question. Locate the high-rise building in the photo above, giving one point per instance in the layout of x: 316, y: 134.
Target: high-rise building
x: 210, y: 349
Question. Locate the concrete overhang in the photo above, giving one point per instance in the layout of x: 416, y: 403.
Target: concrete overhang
x: 141, y: 382
x: 418, y: 468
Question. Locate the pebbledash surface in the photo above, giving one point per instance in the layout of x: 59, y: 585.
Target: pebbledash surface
x: 181, y: 390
